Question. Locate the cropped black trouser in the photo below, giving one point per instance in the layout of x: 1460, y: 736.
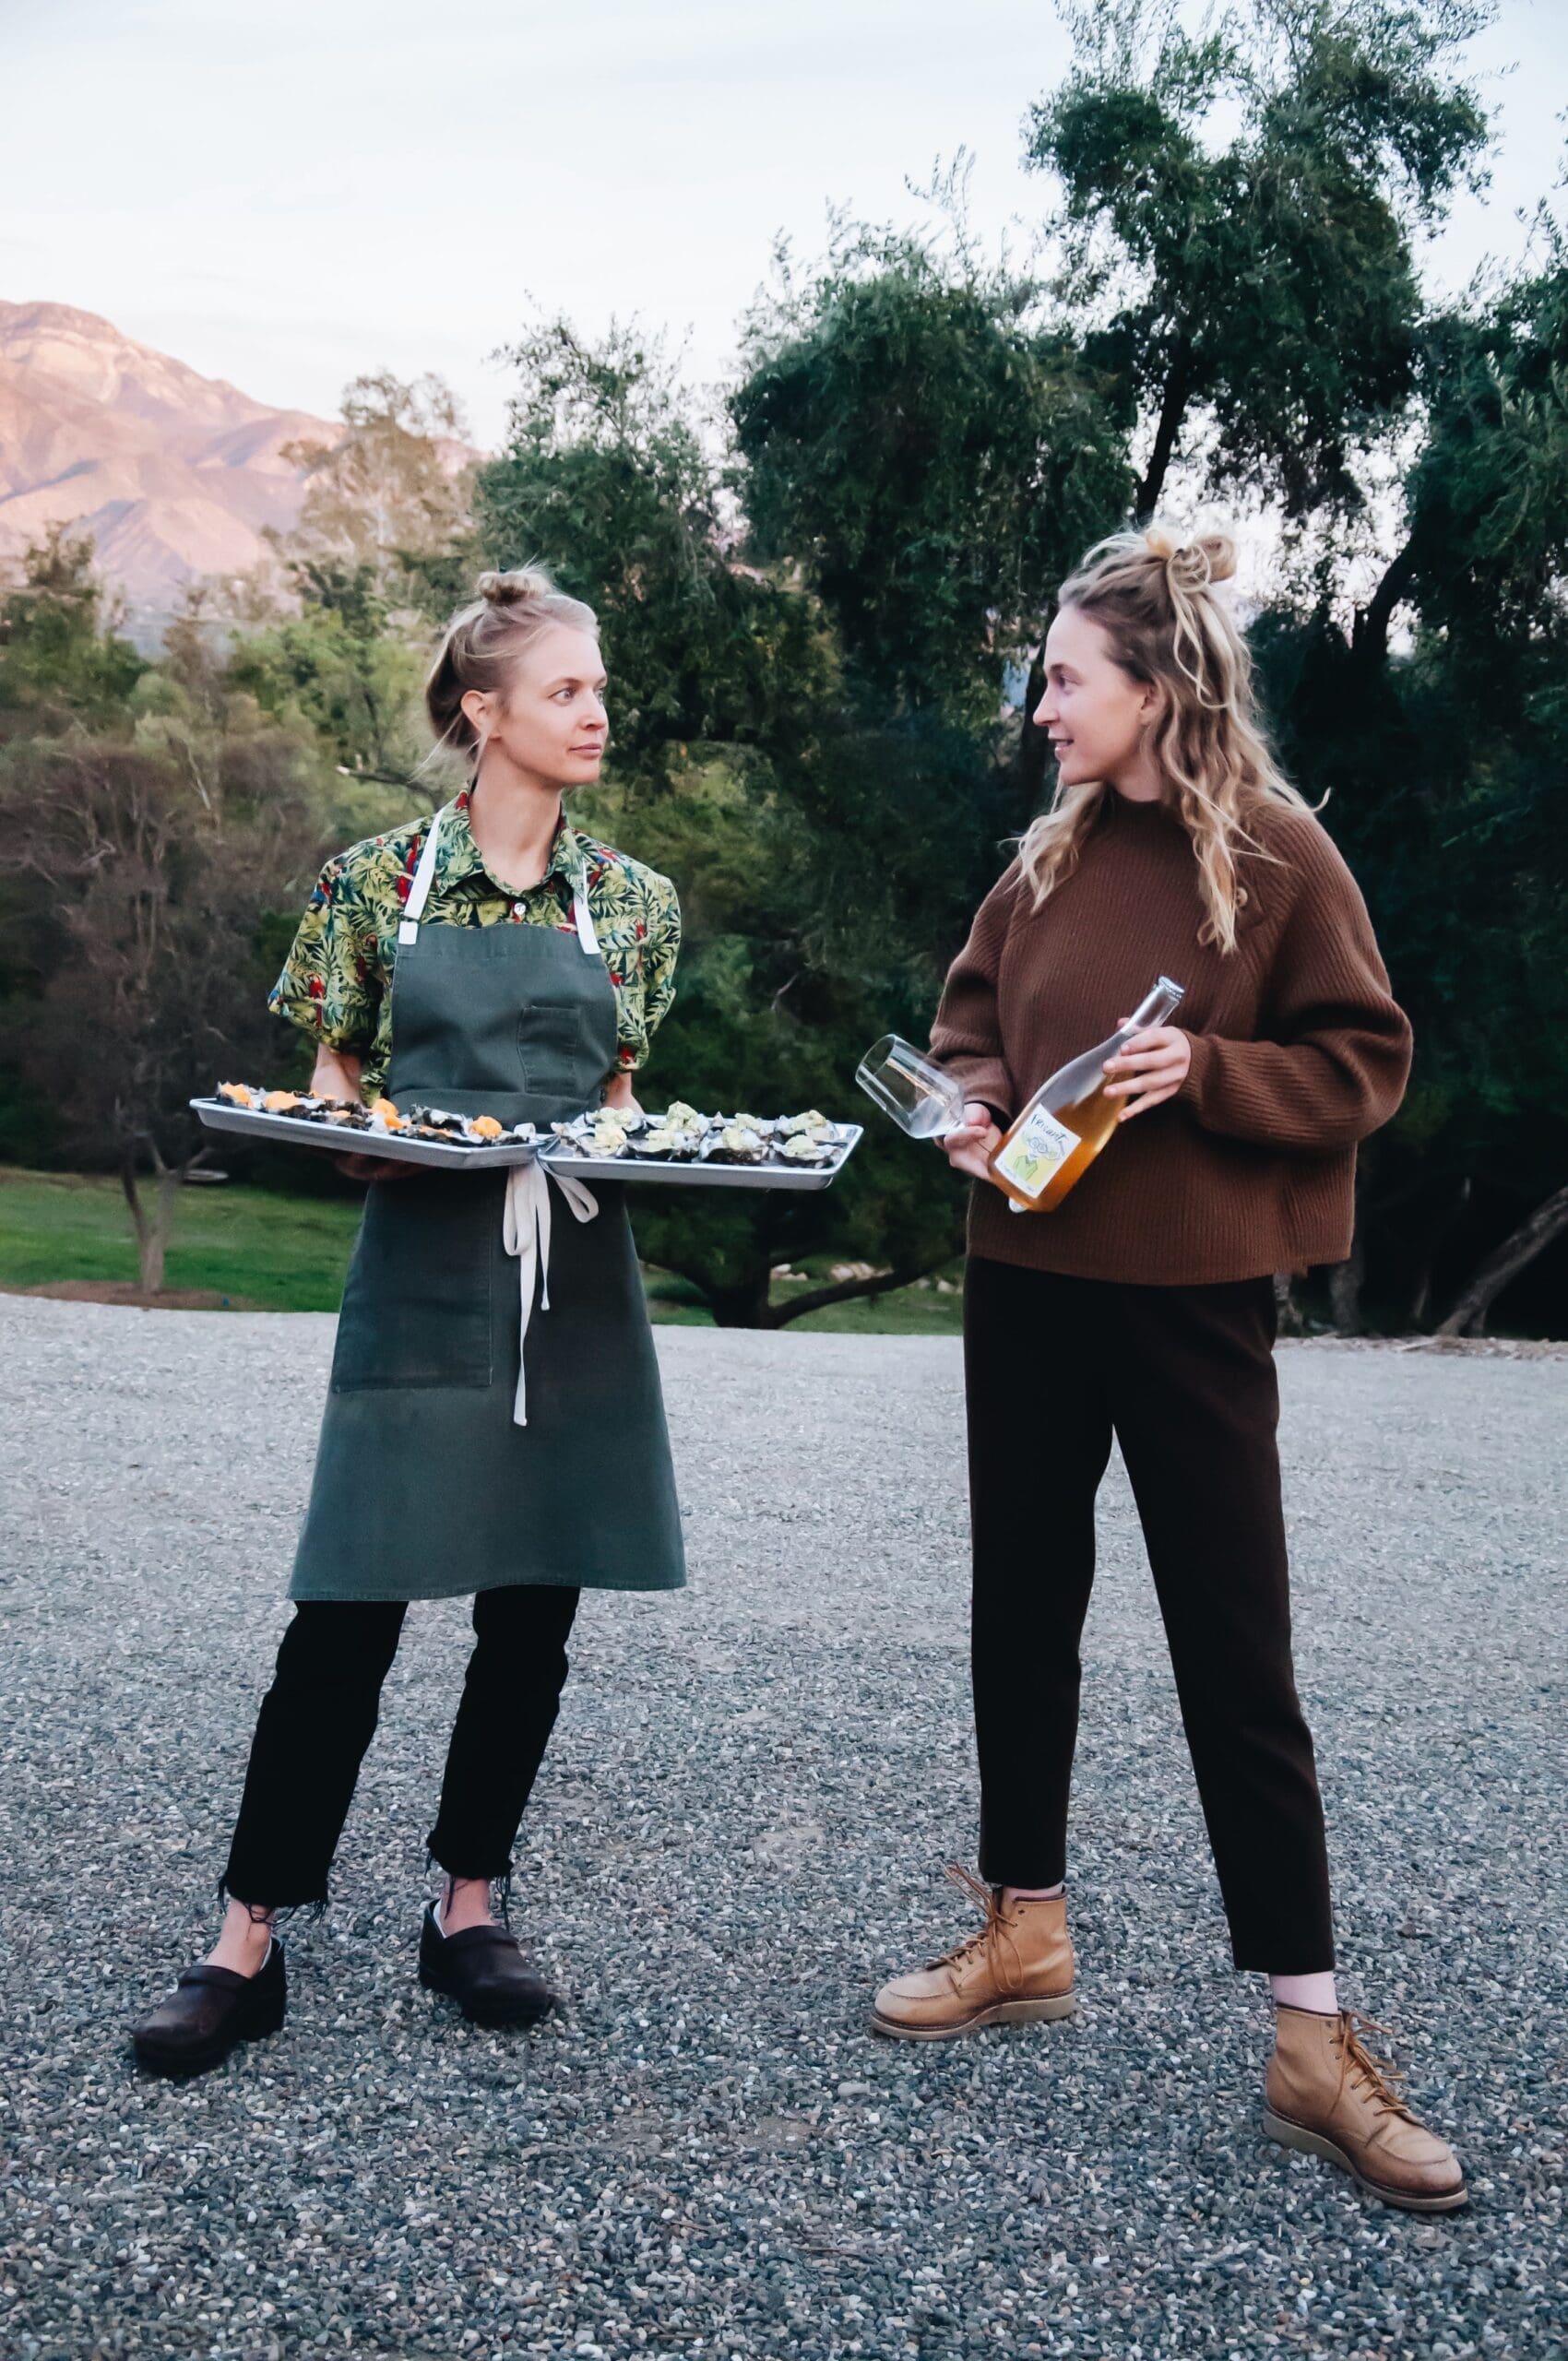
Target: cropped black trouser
x: 318, y: 1717
x: 1185, y: 1380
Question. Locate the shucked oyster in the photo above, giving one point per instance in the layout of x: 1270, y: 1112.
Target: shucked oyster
x: 666, y: 1139
x: 438, y: 1122
x: 738, y: 1142
x: 811, y: 1125
x: 602, y: 1134
x: 803, y: 1148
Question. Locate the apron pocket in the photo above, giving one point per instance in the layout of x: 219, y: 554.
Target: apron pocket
x: 416, y: 1304
x: 551, y: 1045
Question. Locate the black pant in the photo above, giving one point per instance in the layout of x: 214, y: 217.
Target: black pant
x: 319, y: 1716
x: 1184, y: 1378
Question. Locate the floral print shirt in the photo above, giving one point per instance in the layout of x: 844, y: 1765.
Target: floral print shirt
x: 337, y: 982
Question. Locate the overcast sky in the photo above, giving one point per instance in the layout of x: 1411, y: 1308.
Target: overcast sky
x: 286, y: 195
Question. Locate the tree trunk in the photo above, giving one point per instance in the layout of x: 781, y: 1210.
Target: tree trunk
x: 744, y: 1305
x: 1290, y: 1311
x: 1345, y: 1278
x: 1504, y: 1264
x: 1345, y: 1295
x: 1172, y: 409
x: 840, y: 1291
x: 1421, y: 1294
x: 153, y: 1225
x: 1034, y: 747
x: 1369, y: 635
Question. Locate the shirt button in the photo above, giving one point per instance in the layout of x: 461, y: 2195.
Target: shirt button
x: 517, y: 910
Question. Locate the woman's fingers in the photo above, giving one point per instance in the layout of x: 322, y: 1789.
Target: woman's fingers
x: 969, y: 1148
x: 1150, y: 1098
x: 1152, y: 1066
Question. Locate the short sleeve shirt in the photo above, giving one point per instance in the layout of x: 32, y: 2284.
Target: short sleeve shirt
x: 336, y: 980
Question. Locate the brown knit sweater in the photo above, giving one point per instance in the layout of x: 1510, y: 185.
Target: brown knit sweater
x: 1298, y: 1050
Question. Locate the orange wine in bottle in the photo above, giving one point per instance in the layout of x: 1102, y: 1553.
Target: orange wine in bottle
x: 1066, y: 1125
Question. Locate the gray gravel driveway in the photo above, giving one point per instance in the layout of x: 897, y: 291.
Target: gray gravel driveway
x: 741, y: 1826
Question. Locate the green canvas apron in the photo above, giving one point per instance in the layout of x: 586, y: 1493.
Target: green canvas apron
x: 435, y: 1476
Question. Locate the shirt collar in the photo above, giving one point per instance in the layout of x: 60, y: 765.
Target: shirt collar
x: 458, y: 856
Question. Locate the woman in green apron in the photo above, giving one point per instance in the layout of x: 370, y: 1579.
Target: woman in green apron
x: 494, y: 1356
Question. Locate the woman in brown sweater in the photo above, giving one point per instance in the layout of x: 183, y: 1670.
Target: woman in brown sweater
x: 1143, y: 1306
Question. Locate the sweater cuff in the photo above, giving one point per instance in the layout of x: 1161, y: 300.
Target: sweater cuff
x: 985, y: 1080
x: 1194, y: 1080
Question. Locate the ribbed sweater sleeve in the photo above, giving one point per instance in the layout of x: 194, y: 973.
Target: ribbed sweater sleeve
x: 1338, y: 1058
x: 967, y: 1037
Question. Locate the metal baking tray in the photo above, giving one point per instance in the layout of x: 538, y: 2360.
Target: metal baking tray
x: 252, y: 1123
x: 702, y: 1172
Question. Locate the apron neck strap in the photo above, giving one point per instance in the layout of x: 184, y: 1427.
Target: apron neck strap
x: 418, y: 891
x: 419, y: 894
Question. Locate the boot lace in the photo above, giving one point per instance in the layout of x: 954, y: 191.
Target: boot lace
x: 1373, y: 2076
x: 994, y: 1939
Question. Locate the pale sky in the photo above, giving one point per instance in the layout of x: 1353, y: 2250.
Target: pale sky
x: 287, y: 195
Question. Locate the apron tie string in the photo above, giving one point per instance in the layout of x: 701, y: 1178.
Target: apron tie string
x: 526, y: 1233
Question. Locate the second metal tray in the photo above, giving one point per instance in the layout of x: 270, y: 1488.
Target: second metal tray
x: 703, y: 1172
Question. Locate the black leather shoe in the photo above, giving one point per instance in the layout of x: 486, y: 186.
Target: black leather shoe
x: 211, y: 2010
x: 483, y: 1969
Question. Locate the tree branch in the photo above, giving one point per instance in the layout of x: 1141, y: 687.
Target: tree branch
x: 378, y: 778
x: 842, y: 1291
x: 1503, y: 1264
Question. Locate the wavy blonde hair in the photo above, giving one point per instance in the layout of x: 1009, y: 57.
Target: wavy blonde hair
x: 1154, y: 595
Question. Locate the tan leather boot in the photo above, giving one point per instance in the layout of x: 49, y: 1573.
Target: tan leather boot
x: 1013, y: 1971
x: 1326, y: 2094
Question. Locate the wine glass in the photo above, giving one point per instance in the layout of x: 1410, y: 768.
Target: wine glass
x: 921, y: 1100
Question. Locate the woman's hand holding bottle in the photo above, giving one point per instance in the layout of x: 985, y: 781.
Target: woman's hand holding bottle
x: 1152, y: 1066
x: 969, y: 1148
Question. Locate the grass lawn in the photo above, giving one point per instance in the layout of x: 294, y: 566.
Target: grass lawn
x: 270, y: 1252
x: 265, y: 1253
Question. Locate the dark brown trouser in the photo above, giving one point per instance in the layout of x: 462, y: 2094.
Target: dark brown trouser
x: 1184, y: 1379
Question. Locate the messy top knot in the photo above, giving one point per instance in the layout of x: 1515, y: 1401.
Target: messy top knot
x: 516, y: 586
x: 1153, y: 595
x: 1192, y: 565
x: 484, y: 641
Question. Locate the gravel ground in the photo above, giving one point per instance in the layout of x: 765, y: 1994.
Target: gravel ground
x: 741, y: 1826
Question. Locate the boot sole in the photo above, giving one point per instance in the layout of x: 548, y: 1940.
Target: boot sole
x: 1313, y: 2143
x: 1048, y: 2010
x: 499, y: 2020
x: 175, y: 2063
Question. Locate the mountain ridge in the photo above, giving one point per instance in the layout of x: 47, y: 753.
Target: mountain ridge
x: 176, y: 475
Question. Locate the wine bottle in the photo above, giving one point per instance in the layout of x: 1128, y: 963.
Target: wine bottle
x: 1064, y: 1127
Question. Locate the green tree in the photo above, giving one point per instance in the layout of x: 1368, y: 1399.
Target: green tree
x: 1254, y: 295
x: 63, y: 662
x: 391, y: 493
x: 342, y: 671
x: 606, y: 479
x: 1445, y: 757
x: 150, y: 887
x: 931, y: 454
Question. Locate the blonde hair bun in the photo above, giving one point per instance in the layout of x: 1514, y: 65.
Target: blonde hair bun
x: 519, y: 586
x: 1195, y: 565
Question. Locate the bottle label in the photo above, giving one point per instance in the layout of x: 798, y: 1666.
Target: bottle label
x: 1036, y: 1152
